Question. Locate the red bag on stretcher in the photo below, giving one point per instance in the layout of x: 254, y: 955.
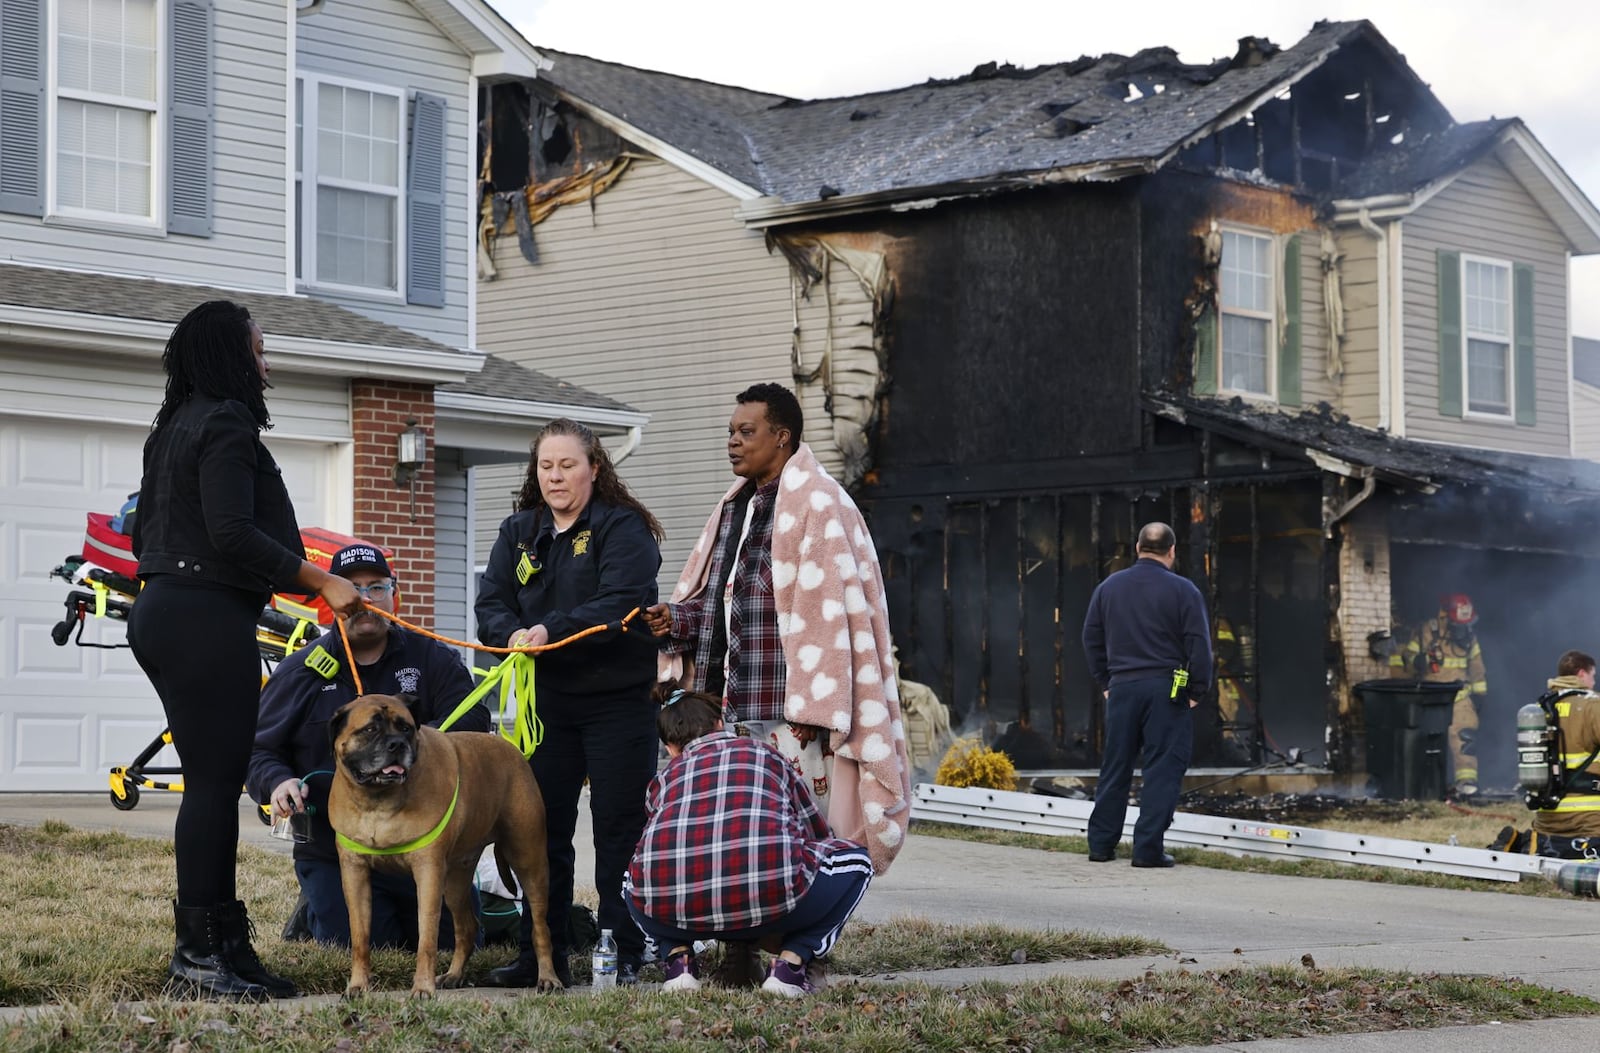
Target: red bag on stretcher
x: 107, y: 547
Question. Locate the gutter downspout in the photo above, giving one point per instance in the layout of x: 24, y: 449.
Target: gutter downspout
x: 1385, y: 351
x: 635, y: 435
x: 1369, y: 483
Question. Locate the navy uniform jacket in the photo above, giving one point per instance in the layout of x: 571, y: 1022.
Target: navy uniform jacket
x: 1145, y: 621
x: 593, y: 573
x: 296, y: 704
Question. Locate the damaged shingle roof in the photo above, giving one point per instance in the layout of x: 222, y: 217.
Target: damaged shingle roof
x: 1405, y: 463
x: 1412, y: 165
x: 996, y: 123
x: 155, y: 301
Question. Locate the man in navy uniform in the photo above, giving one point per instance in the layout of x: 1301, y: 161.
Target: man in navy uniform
x: 292, y: 766
x: 1149, y: 647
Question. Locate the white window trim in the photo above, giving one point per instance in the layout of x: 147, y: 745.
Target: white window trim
x: 53, y: 211
x: 1275, y: 295
x: 308, y: 280
x: 1467, y: 336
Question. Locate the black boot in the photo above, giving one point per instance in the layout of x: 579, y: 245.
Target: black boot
x: 200, y: 966
x: 237, y: 932
x: 524, y: 970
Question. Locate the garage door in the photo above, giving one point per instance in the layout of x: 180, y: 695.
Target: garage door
x: 67, y: 714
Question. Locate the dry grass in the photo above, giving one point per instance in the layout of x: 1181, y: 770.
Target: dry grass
x: 91, y: 920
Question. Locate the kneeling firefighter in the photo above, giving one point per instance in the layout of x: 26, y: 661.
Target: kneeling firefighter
x: 1558, y: 763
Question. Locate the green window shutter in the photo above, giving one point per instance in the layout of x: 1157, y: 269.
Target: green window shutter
x: 1527, y: 394
x: 1449, y: 334
x: 1205, y: 352
x: 1289, y: 350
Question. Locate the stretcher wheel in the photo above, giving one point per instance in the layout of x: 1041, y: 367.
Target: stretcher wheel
x: 128, y: 803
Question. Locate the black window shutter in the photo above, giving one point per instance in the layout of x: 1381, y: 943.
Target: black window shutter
x: 190, y: 119
x: 22, y: 127
x: 425, y: 201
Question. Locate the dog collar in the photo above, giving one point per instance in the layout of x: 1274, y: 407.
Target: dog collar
x: 410, y: 846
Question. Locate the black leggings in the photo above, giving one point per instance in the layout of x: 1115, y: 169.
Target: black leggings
x: 197, y: 643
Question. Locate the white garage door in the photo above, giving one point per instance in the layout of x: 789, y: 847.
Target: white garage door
x: 68, y: 714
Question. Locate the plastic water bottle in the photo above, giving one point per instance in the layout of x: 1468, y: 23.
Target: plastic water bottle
x: 604, y: 962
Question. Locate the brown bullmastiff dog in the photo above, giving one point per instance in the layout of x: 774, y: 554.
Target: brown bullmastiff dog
x: 413, y: 799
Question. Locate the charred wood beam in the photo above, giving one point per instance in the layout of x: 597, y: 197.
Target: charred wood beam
x: 1058, y: 699
x: 984, y: 644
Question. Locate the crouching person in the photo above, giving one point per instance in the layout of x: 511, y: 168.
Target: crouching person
x: 735, y: 849
x: 1568, y: 829
x: 291, y: 767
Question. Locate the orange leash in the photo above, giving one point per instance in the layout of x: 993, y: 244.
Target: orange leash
x: 350, y: 657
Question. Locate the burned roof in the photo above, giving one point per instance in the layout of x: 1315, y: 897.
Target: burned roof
x: 1413, y: 164
x: 156, y: 301
x: 501, y: 378
x: 708, y: 121
x: 1407, y: 464
x: 1113, y: 112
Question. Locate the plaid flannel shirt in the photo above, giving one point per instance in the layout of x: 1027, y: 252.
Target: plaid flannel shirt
x: 733, y: 839
x: 755, y: 673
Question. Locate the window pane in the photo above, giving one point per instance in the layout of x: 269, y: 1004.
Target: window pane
x: 1488, y: 381
x: 1246, y: 272
x: 330, y: 107
x: 1244, y: 354
x: 355, y: 238
x: 386, y: 118
x: 73, y: 70
x: 103, y: 158
x: 330, y: 154
x: 299, y: 126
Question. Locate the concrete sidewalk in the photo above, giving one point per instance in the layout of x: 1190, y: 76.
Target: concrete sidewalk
x: 1213, y: 919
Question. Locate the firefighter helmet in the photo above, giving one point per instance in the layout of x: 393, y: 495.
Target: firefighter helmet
x: 1458, y: 608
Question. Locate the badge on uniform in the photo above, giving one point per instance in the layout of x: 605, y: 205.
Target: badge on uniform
x: 580, y: 543
x: 527, y: 567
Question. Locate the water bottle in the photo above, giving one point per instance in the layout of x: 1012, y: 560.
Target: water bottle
x: 604, y: 962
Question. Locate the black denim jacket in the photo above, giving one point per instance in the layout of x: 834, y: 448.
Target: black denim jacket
x: 212, y: 505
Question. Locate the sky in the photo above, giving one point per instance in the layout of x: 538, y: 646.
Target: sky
x: 1534, y: 59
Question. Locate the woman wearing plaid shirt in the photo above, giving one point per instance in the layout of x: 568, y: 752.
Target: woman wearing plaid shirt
x: 735, y: 849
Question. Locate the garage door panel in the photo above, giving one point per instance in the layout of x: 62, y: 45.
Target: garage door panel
x: 123, y: 740
x: 52, y: 462
x: 50, y: 745
x: 69, y: 713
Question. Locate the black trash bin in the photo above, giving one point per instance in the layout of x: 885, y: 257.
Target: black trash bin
x: 1408, y: 736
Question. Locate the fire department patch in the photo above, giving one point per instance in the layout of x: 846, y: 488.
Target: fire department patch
x: 580, y: 543
x: 408, y: 678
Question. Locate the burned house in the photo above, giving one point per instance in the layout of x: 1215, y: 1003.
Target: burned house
x: 1283, y: 301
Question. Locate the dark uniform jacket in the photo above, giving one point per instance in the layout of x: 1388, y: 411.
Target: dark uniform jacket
x: 212, y: 504
x: 593, y: 573
x: 1146, y: 621
x: 296, y: 703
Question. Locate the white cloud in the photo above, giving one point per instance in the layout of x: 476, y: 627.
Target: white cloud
x: 1483, y: 59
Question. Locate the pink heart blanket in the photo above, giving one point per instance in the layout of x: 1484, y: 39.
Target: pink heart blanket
x: 834, y: 627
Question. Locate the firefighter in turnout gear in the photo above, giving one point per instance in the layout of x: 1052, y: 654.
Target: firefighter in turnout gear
x: 1445, y: 648
x: 1236, y: 710
x: 1567, y: 828
x: 1577, y: 815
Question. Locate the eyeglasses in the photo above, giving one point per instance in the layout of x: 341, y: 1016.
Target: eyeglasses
x: 378, y: 590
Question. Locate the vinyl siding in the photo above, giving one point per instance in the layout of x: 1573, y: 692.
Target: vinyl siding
x: 43, y: 383
x: 1315, y: 386
x: 246, y: 249
x: 450, y: 552
x: 389, y: 43
x: 660, y: 299
x: 1359, y: 398
x: 1585, y: 420
x: 1486, y: 212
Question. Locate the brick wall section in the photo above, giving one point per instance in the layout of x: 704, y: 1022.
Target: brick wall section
x: 380, y: 410
x: 1364, y: 585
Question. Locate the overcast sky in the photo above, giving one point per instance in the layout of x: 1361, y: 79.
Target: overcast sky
x: 1534, y: 59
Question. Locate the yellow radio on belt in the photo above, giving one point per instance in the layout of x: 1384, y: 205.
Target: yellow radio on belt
x: 1180, y: 680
